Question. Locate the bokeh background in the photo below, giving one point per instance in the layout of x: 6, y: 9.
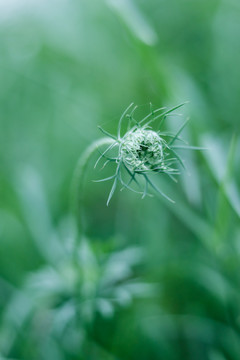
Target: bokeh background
x: 151, y: 279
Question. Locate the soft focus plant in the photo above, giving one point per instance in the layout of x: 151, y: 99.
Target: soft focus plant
x: 142, y: 151
x: 65, y: 295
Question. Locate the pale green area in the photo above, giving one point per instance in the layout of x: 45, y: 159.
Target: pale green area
x: 152, y: 279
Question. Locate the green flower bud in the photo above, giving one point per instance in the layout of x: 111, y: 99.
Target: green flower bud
x: 142, y: 150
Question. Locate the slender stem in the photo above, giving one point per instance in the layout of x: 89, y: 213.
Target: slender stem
x: 77, y: 196
x: 77, y: 193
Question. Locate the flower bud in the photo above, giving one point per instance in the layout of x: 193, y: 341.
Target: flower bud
x: 142, y: 150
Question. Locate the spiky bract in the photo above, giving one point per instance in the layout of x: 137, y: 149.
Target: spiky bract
x: 142, y: 151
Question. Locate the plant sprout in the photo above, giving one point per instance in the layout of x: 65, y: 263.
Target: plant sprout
x: 143, y: 151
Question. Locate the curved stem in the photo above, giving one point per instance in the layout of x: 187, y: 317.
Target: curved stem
x: 77, y: 192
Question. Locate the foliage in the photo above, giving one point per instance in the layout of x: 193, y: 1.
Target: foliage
x: 139, y: 279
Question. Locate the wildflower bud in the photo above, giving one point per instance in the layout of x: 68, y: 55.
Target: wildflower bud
x: 142, y: 150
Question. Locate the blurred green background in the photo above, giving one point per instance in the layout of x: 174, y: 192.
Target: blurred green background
x: 151, y: 279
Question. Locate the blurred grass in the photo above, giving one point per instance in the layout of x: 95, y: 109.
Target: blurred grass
x: 152, y: 280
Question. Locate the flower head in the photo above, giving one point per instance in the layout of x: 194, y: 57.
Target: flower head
x: 142, y: 151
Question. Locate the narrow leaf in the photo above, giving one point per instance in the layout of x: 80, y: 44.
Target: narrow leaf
x: 121, y: 119
x: 107, y: 133
x: 178, y: 133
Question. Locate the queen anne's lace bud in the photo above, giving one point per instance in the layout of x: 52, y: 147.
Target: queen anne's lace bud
x: 142, y: 150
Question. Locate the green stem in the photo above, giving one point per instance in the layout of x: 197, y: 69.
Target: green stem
x: 77, y: 193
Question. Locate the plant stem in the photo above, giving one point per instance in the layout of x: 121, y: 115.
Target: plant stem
x: 77, y: 193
